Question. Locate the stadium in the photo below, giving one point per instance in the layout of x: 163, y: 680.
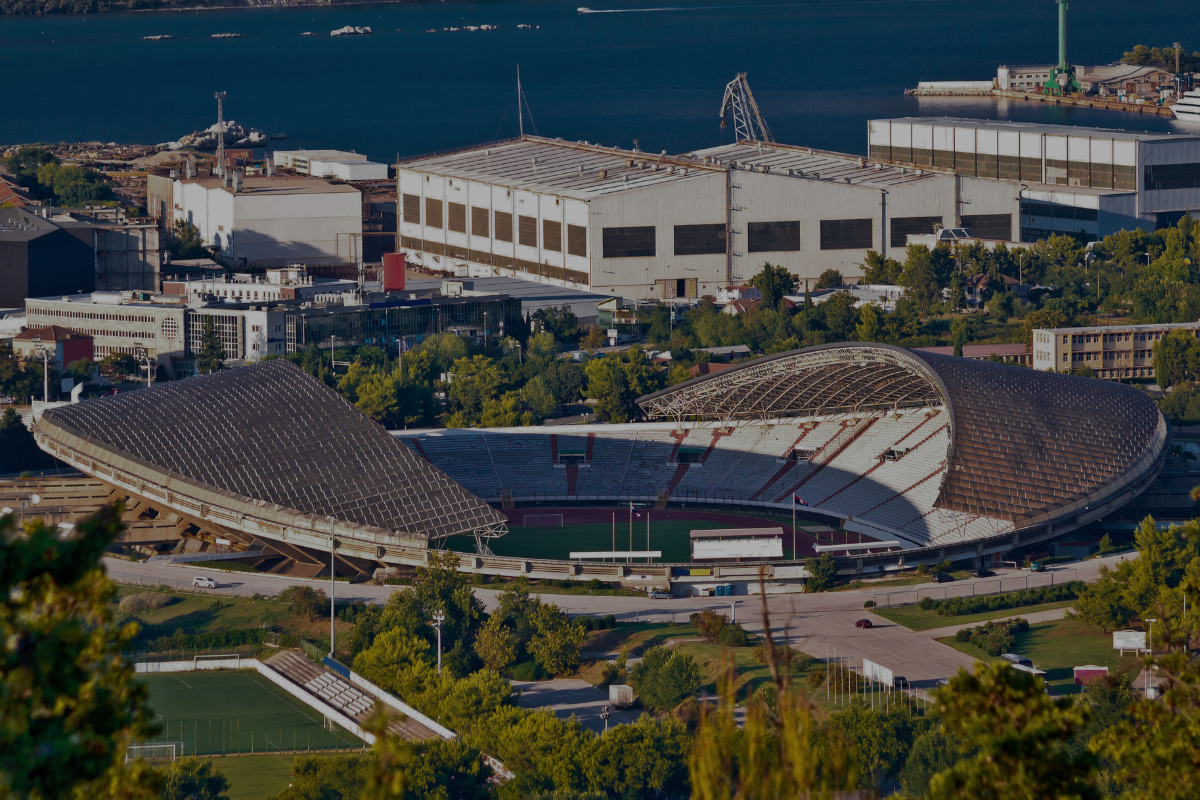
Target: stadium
x: 920, y: 456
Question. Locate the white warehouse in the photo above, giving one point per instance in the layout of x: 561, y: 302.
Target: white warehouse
x: 655, y: 226
x: 274, y: 221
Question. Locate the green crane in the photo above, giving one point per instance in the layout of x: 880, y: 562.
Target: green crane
x: 1062, y: 77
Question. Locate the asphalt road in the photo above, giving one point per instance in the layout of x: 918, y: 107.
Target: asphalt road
x: 821, y: 625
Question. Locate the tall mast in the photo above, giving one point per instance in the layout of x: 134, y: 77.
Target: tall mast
x: 220, y: 132
x: 520, y: 98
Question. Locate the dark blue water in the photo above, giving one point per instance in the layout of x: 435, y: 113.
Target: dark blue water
x: 819, y: 69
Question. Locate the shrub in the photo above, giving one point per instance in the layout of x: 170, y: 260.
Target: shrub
x: 305, y: 601
x: 585, y: 622
x: 595, y: 584
x: 993, y: 638
x: 665, y: 678
x: 959, y: 606
x: 609, y: 620
x: 926, y: 603
x: 144, y: 601
x: 817, y: 677
x: 733, y: 635
x: 709, y: 623
x: 527, y: 671
x: 869, y: 604
x: 923, y: 569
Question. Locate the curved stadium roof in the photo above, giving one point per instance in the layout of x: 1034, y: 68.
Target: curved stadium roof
x: 270, y: 434
x: 1026, y: 446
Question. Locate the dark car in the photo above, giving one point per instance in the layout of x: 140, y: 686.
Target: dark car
x: 982, y: 572
x: 900, y: 683
x: 942, y: 577
x: 864, y: 623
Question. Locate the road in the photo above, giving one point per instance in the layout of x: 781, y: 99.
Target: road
x: 821, y: 625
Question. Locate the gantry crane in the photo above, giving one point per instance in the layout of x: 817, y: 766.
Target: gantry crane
x: 748, y: 124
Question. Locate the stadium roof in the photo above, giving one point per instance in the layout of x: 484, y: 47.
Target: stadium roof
x: 1026, y: 445
x: 804, y: 162
x: 272, y: 433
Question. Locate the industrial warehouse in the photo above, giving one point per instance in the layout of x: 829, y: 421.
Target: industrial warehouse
x: 644, y: 226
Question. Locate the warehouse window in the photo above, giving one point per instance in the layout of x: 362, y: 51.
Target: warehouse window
x: 903, y: 226
x: 433, y: 212
x: 847, y: 234
x: 576, y: 240
x: 479, y: 221
x: 457, y: 215
x: 412, y: 209
x: 700, y: 240
x: 527, y: 231
x: 552, y: 235
x: 628, y: 242
x: 503, y: 226
x: 1172, y: 176
x: 773, y: 237
x: 989, y: 226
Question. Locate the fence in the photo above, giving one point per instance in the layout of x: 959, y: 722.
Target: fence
x: 230, y: 737
x: 148, y: 655
x: 1001, y: 585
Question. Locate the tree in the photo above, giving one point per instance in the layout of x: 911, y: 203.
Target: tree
x: 1176, y: 358
x: 932, y: 752
x: 960, y: 334
x: 868, y: 324
x: 665, y: 678
x: 774, y: 282
x: 542, y: 345
x: 495, y: 644
x: 823, y: 571
x: 379, y: 396
x: 878, y: 269
x: 958, y: 294
x: 186, y: 242
x: 595, y: 339
x: 211, y: 357
x: 502, y: 412
x: 920, y: 278
x: 68, y: 697
x: 560, y: 322
x: 329, y: 778
x: 1018, y: 736
x: 539, y: 397
x: 556, y: 643
x: 829, y: 279
x: 18, y: 448
x: 194, y: 779
x: 443, y: 769
x: 645, y: 759
x: 1102, y: 603
x: 119, y: 365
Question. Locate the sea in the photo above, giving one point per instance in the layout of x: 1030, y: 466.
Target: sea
x: 613, y: 73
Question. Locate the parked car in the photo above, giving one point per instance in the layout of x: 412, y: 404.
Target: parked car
x: 1013, y: 658
x: 864, y: 623
x: 982, y: 572
x: 942, y: 577
x: 943, y: 682
x: 659, y: 594
x: 900, y: 682
x: 200, y: 582
x: 1038, y: 566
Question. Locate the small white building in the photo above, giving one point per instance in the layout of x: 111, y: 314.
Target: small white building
x: 274, y: 221
x: 299, y: 160
x: 348, y: 170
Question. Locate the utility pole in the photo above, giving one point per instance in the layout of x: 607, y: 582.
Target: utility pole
x: 45, y: 354
x: 438, y: 618
x: 1178, y: 48
x: 520, y: 113
x: 220, y: 96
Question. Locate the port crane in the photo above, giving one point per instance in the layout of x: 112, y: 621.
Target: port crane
x: 748, y: 124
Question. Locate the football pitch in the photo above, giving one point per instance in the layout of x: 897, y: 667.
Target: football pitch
x: 213, y: 713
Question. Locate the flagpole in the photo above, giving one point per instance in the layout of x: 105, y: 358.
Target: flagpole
x: 794, y: 555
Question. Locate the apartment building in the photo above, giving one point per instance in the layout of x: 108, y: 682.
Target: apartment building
x: 1124, y: 351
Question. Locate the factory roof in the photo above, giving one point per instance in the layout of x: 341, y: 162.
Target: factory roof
x: 324, y: 155
x: 1033, y: 127
x: 809, y: 164
x: 260, y: 186
x: 572, y: 169
x: 17, y: 224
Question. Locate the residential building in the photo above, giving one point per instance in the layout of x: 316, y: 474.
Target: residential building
x: 273, y: 221
x: 1112, y: 351
x: 39, y: 256
x: 64, y: 346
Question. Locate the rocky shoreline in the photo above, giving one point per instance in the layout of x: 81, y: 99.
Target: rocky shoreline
x: 248, y: 5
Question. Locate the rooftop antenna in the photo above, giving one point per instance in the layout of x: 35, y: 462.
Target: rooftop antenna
x: 220, y: 132
x: 521, y: 98
x: 748, y: 124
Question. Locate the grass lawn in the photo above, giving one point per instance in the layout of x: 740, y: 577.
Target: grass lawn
x: 255, y: 777
x: 198, y: 613
x: 217, y: 712
x: 913, y: 618
x: 1058, y: 646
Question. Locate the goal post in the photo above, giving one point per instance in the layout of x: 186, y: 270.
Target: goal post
x: 162, y: 751
x: 542, y: 521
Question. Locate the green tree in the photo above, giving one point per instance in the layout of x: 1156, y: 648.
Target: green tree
x: 502, y: 412
x: 932, y: 752
x: 829, y: 279
x: 194, y: 779
x: 186, y: 241
x: 665, y: 678
x: 1017, y: 737
x: 878, y: 269
x: 560, y: 322
x: 958, y: 292
x: 645, y: 759
x: 1176, y: 358
x: 542, y: 345
x: 539, y: 397
x: 211, y: 357
x: 546, y: 753
x: 495, y: 644
x: 118, y: 365
x: 868, y: 325
x: 920, y: 278
x: 400, y: 662
x: 68, y: 698
x: 774, y: 282
x: 882, y: 741
x: 379, y: 396
x: 328, y: 778
x: 960, y: 334
x: 446, y: 769
x: 556, y: 643
x: 1103, y: 603
x: 822, y: 571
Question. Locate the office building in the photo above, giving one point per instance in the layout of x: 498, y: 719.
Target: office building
x: 1109, y: 351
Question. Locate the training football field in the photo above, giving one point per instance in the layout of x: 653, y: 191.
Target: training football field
x: 210, y: 713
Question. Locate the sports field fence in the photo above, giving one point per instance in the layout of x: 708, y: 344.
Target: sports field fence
x: 230, y: 736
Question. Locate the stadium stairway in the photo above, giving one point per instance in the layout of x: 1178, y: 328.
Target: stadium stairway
x: 333, y: 689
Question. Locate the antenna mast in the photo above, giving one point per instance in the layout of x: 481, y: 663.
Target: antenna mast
x: 748, y: 123
x: 220, y: 132
x: 520, y: 96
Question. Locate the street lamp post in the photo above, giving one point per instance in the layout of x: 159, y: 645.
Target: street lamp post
x: 332, y: 591
x: 1150, y: 647
x: 604, y: 715
x: 438, y: 619
x: 44, y: 352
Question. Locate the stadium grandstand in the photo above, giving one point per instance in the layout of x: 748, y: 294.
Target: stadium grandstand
x: 949, y: 457
x: 900, y: 445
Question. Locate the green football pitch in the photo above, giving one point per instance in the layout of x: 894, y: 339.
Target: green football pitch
x: 211, y: 713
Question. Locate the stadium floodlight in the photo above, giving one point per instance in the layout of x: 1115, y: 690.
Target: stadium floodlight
x: 438, y: 619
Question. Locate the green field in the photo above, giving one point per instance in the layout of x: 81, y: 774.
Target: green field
x: 255, y: 777
x: 669, y: 536
x: 1058, y: 646
x: 211, y: 713
x: 913, y: 618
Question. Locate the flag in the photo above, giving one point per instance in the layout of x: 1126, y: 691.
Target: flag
x: 796, y: 498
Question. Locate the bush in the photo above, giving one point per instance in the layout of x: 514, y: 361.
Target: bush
x: 733, y: 635
x: 993, y: 638
x: 817, y: 677
x: 206, y: 641
x: 527, y: 671
x: 144, y: 601
x: 305, y: 601
x: 869, y: 604
x: 709, y: 623
x: 585, y: 622
x: 608, y: 621
x: 594, y: 584
x: 926, y: 602
x: 665, y: 678
x: 959, y: 606
x: 923, y: 569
